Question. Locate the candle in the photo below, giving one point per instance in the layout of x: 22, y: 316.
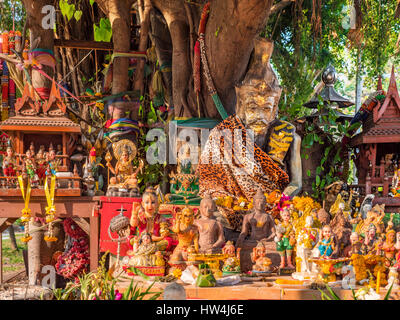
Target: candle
x: 378, y: 281
x: 298, y: 264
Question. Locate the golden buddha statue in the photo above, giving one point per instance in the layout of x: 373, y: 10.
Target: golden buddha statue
x: 125, y: 174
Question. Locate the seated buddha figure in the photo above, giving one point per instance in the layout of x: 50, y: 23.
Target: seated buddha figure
x: 188, y: 237
x: 257, y: 225
x: 145, y: 253
x: 125, y: 174
x: 270, y: 157
x: 184, y: 183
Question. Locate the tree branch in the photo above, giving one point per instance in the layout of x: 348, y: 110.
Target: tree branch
x: 280, y: 6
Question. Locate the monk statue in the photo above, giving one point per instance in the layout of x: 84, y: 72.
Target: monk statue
x: 211, y: 232
x: 257, y: 225
x: 264, y: 151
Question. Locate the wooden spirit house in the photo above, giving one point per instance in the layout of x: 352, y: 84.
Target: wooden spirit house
x: 378, y: 147
x: 43, y: 124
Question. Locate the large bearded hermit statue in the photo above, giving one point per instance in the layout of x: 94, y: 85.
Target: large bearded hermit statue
x: 272, y: 162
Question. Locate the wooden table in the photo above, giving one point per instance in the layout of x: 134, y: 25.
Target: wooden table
x: 80, y: 209
x: 255, y: 290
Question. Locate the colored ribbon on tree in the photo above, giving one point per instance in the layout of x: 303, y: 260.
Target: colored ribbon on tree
x: 26, y: 212
x: 51, y: 208
x: 210, y: 84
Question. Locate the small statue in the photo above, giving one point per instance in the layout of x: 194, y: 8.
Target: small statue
x: 342, y: 229
x: 366, y: 205
x: 184, y: 183
x: 30, y: 165
x: 145, y: 253
x: 125, y: 175
x: 52, y: 163
x: 370, y: 242
x: 32, y: 149
x: 9, y: 163
x: 232, y: 263
x: 389, y: 247
x: 211, y: 232
x: 95, y: 167
x: 396, y: 181
x: 188, y: 235
x: 327, y: 244
x: 41, y: 166
x: 259, y: 257
x: 285, y: 239
x: 393, y: 279
x: 59, y: 150
x: 374, y: 217
x: 323, y: 216
x: 342, y: 203
x: 147, y: 218
x: 306, y: 240
x: 354, y: 247
x: 332, y: 191
x: 259, y: 224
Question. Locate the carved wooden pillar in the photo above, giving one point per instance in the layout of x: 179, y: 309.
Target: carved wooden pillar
x: 368, y: 185
x: 385, y: 186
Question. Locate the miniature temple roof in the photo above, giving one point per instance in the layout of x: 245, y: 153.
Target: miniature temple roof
x: 40, y: 123
x: 328, y: 93
x: 391, y: 96
x: 383, y: 124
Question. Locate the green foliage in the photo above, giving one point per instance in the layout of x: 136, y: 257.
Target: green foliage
x: 69, y: 10
x: 151, y: 175
x: 100, y: 285
x: 10, y: 9
x: 331, y: 164
x: 103, y: 31
x: 380, y: 32
x: 300, y: 56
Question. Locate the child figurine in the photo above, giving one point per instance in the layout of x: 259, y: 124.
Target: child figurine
x: 285, y: 239
x: 30, y: 165
x: 327, y: 244
x: 9, y: 163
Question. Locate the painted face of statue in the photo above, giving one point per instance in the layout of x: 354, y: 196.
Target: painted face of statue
x: 259, y: 203
x: 391, y: 236
x: 285, y: 214
x: 371, y: 232
x: 10, y: 152
x: 257, y: 106
x: 125, y: 156
x: 150, y: 204
x: 52, y: 155
x: 326, y: 232
x: 354, y: 238
x: 188, y: 217
x: 207, y: 208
